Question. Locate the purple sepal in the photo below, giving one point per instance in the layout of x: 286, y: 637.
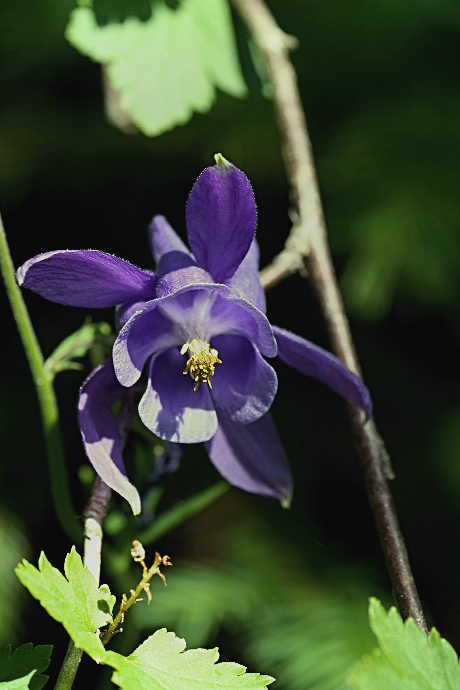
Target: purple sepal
x: 313, y: 361
x: 146, y: 333
x: 252, y: 457
x: 85, y: 278
x: 244, y: 384
x: 170, y: 408
x: 245, y: 282
x: 221, y: 220
x: 99, y: 430
x: 163, y: 239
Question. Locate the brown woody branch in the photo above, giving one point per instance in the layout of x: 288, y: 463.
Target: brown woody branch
x: 307, y: 246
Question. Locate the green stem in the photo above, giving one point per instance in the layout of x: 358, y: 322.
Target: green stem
x: 69, y: 667
x: 60, y: 489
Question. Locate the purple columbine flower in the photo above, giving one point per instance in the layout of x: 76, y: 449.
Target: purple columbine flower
x: 198, y: 328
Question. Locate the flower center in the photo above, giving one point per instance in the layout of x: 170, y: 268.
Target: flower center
x: 201, y: 364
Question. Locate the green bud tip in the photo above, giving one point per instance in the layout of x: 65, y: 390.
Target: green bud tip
x: 221, y: 162
x: 286, y: 503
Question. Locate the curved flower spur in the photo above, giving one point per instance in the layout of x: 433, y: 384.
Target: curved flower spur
x: 198, y: 327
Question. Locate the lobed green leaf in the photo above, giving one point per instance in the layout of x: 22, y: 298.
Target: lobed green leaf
x: 161, y: 663
x: 168, y: 67
x: 23, y: 668
x: 76, y: 602
x: 405, y: 659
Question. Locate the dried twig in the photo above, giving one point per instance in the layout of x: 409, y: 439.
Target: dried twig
x: 307, y: 246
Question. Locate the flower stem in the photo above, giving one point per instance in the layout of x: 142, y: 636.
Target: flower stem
x: 60, y: 489
x: 307, y: 247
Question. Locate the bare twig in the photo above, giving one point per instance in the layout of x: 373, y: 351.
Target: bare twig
x: 307, y: 246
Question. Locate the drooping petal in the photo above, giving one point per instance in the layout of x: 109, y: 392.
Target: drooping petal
x: 221, y: 219
x: 99, y: 430
x: 170, y: 407
x: 85, y: 278
x: 244, y: 385
x: 235, y: 315
x: 252, y: 457
x: 313, y: 361
x: 245, y: 282
x: 147, y: 332
x: 163, y: 239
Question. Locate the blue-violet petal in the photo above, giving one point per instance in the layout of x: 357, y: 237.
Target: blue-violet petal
x: 99, y: 430
x: 244, y: 385
x: 85, y: 278
x: 163, y: 239
x: 252, y: 457
x: 170, y: 407
x: 221, y: 220
x: 146, y: 333
x: 245, y: 282
x: 233, y: 314
x: 313, y: 361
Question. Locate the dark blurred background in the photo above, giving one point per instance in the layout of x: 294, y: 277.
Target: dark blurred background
x: 380, y: 84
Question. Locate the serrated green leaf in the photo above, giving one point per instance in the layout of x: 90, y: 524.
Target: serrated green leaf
x: 161, y: 663
x: 18, y: 683
x: 405, y: 660
x: 168, y: 67
x: 24, y: 667
x: 76, y: 602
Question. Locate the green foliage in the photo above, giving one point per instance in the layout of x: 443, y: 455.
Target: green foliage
x: 76, y: 346
x: 405, y: 660
x: 76, y: 602
x: 22, y: 670
x: 13, y: 544
x: 182, y: 511
x: 167, y: 67
x: 393, y: 174
x: 304, y: 632
x: 161, y: 663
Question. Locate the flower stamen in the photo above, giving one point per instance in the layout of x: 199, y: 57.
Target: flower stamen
x: 201, y: 364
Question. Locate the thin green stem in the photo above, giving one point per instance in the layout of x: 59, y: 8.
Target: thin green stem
x: 69, y: 667
x: 126, y: 603
x: 60, y: 489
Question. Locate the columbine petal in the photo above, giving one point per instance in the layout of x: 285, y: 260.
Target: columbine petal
x: 235, y: 315
x: 173, y: 261
x: 85, y: 278
x: 163, y: 239
x: 252, y: 457
x: 146, y: 332
x: 184, y: 279
x: 245, y: 282
x: 313, y: 361
x: 170, y: 407
x: 244, y: 385
x: 221, y: 219
x: 100, y: 433
x: 126, y: 310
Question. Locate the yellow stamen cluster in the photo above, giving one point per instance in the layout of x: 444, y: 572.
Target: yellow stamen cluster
x: 201, y: 364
